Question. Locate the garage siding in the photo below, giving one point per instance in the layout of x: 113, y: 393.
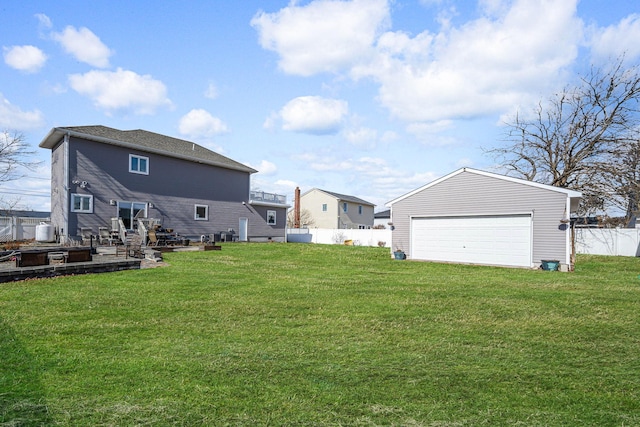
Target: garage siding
x: 470, y: 193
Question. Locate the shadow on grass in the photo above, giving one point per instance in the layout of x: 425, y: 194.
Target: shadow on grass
x: 22, y: 398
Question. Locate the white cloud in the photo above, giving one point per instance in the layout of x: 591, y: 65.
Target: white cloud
x: 24, y: 58
x: 199, y: 123
x: 285, y: 183
x: 265, y: 167
x: 211, y: 92
x: 480, y: 68
x: 323, y: 36
x: 313, y: 114
x: 362, y: 137
x: 43, y: 21
x: 121, y: 90
x: 508, y: 55
x: 430, y: 133
x: 464, y: 163
x: 13, y: 118
x: 372, y: 178
x: 84, y: 45
x: 615, y: 40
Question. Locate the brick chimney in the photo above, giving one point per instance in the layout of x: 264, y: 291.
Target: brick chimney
x: 296, y: 209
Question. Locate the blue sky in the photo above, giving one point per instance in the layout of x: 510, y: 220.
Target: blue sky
x: 371, y: 98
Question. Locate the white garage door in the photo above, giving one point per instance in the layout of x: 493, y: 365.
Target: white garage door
x: 494, y: 240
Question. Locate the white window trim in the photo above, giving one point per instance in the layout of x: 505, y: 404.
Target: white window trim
x: 131, y: 156
x: 206, y: 213
x: 89, y: 196
x: 274, y: 217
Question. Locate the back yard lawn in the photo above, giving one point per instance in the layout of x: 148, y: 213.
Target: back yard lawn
x: 294, y: 334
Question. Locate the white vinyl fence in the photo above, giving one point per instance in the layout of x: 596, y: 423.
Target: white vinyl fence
x: 594, y: 241
x: 608, y: 241
x: 369, y: 237
x: 18, y: 228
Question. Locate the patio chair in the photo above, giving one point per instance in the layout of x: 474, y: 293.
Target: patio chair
x: 105, y: 236
x: 153, y: 238
x: 87, y: 235
x: 132, y: 247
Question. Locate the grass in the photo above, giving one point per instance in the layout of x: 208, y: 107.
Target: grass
x: 294, y: 334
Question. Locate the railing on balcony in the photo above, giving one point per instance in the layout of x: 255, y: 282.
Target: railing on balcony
x: 261, y: 196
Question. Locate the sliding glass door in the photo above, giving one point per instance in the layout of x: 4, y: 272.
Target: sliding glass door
x: 130, y: 211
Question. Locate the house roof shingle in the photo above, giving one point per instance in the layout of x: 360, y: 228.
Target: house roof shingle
x: 346, y: 198
x: 145, y: 141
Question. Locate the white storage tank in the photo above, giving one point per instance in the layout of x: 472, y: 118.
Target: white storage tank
x: 44, y: 232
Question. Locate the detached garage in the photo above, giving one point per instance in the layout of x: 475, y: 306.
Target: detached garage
x: 476, y: 217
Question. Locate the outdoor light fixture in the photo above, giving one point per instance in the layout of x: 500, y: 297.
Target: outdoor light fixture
x: 112, y: 202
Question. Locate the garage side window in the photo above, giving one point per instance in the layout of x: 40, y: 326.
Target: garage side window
x: 201, y: 213
x: 82, y: 203
x: 271, y: 217
x: 138, y: 164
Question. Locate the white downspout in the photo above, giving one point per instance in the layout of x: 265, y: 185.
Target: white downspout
x: 65, y: 194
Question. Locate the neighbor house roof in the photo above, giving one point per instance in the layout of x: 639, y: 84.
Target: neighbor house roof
x: 25, y: 214
x: 570, y: 193
x: 382, y: 214
x: 145, y: 141
x: 343, y: 197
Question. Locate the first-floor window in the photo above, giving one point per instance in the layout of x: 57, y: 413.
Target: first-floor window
x: 81, y: 203
x: 271, y: 217
x: 202, y: 213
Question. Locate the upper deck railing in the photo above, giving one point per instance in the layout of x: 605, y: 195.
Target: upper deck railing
x: 261, y: 196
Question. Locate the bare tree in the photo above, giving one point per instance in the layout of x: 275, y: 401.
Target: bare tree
x: 571, y: 139
x: 306, y: 219
x: 14, y: 155
x: 618, y: 180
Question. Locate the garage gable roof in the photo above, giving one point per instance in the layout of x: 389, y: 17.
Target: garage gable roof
x: 572, y: 194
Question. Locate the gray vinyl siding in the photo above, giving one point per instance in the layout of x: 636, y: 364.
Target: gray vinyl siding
x: 174, y: 186
x: 354, y: 219
x: 473, y: 194
x: 59, y: 194
x: 273, y: 231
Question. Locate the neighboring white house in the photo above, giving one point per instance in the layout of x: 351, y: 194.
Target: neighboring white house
x: 333, y: 210
x: 477, y: 217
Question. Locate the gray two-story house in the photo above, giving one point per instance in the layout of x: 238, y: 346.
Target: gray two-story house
x: 100, y: 173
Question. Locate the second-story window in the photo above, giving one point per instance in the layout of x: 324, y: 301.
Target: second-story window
x: 138, y: 164
x: 344, y: 207
x: 360, y: 210
x: 324, y: 207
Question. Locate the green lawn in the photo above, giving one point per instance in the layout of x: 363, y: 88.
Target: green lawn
x: 294, y: 334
